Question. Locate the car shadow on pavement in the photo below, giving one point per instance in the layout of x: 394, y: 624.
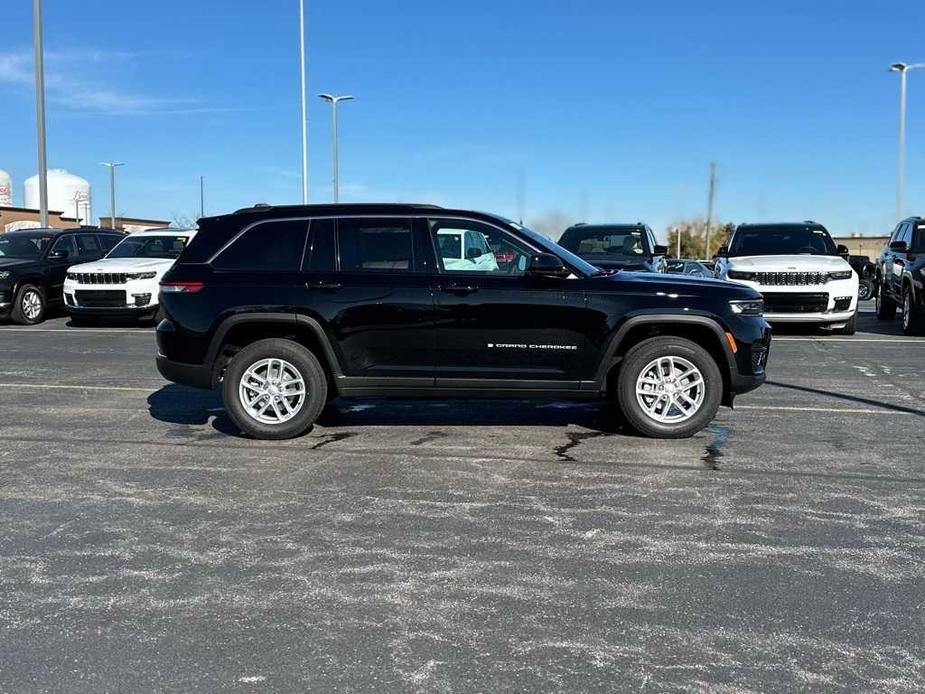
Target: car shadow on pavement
x: 175, y: 404
x: 186, y: 407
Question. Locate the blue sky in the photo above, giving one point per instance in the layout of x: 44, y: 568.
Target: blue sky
x: 611, y: 110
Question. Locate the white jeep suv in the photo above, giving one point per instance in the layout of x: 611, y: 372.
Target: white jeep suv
x: 125, y: 282
x: 803, y: 276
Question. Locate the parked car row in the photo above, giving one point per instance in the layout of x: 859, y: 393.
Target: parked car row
x: 91, y: 272
x: 900, y: 276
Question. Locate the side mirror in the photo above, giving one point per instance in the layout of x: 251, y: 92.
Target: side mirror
x: 898, y: 246
x: 473, y: 253
x: 547, y: 265
x: 842, y: 250
x: 722, y: 252
x: 660, y: 250
x: 58, y: 255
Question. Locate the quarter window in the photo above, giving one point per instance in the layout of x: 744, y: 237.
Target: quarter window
x: 464, y: 246
x: 376, y: 245
x: 321, y: 241
x: 269, y: 246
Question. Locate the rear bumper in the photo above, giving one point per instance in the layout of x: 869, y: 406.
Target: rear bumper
x: 194, y: 375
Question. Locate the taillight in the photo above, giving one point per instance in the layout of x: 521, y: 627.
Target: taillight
x: 181, y: 287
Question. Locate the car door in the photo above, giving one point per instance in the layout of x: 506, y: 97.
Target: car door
x: 366, y: 285
x: 496, y: 325
x: 62, y: 254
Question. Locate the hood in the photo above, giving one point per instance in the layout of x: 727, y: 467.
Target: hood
x: 683, y: 285
x: 619, y: 263
x: 788, y: 263
x: 11, y: 263
x: 125, y: 265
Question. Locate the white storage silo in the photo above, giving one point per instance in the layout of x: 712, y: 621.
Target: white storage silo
x: 6, y: 189
x: 67, y: 193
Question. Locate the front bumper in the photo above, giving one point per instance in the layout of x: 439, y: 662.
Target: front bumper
x: 827, y: 317
x: 135, y: 297
x: 834, y: 302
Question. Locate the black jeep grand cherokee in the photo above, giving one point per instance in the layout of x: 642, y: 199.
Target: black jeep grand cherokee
x: 289, y: 307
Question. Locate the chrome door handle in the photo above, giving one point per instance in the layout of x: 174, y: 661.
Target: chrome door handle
x: 328, y: 286
x: 459, y: 288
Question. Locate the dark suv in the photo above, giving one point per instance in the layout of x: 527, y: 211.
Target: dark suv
x: 901, y: 276
x: 289, y: 307
x: 34, y: 263
x: 616, y: 246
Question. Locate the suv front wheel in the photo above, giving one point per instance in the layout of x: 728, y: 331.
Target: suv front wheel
x: 274, y: 389
x: 669, y: 387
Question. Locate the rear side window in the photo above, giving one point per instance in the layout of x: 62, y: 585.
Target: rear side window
x: 321, y: 245
x: 87, y: 244
x: 270, y: 246
x: 375, y: 245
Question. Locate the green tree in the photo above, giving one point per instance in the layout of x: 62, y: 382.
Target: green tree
x: 693, y: 238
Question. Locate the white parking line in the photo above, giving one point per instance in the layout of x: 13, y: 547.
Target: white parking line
x: 77, y: 331
x: 43, y: 386
x: 837, y: 410
x: 898, y: 340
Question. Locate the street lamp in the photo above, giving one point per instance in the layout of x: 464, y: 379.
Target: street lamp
x: 303, y: 103
x: 112, y: 190
x: 902, y: 69
x: 40, y: 110
x: 333, y: 100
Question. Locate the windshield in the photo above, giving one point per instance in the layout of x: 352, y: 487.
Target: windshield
x: 781, y: 240
x: 24, y: 245
x: 149, y: 247
x: 551, y: 246
x: 602, y: 242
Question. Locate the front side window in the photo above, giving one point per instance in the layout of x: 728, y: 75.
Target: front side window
x: 606, y: 242
x: 906, y: 234
x: 65, y: 244
x: 275, y: 246
x: 88, y: 245
x: 168, y: 247
x: 374, y: 245
x: 781, y: 240
x: 918, y: 240
x: 464, y: 246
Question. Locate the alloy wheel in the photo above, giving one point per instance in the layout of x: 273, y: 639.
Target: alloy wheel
x: 272, y: 391
x: 31, y: 305
x: 670, y: 389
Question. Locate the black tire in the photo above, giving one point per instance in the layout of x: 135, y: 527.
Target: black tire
x: 865, y: 290
x: 850, y: 327
x: 886, y: 309
x: 23, y: 311
x: 639, y: 357
x: 308, y: 367
x: 913, y: 318
x: 84, y: 321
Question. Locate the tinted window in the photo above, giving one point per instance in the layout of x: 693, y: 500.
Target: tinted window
x: 781, y: 240
x: 919, y: 238
x: 381, y: 245
x: 108, y: 241
x: 17, y: 245
x: 88, y: 245
x: 276, y: 246
x: 167, y: 247
x: 464, y: 246
x: 321, y: 237
x: 66, y: 244
x: 906, y: 234
x: 606, y: 241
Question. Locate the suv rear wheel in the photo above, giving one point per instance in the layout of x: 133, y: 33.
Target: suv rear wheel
x: 886, y: 309
x: 669, y: 387
x: 274, y: 389
x: 913, y: 320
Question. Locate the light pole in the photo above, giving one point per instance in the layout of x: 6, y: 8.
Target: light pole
x: 902, y: 69
x: 112, y: 190
x: 304, y: 104
x: 334, y: 100
x: 40, y: 109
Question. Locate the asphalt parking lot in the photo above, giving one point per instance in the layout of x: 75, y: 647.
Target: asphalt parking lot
x: 460, y: 547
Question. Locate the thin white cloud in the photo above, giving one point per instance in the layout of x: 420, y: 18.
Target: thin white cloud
x: 66, y: 89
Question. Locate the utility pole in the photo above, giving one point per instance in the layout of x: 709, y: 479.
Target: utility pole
x: 112, y: 190
x: 202, y: 198
x: 521, y: 195
x: 304, y: 103
x: 706, y: 250
x: 40, y: 110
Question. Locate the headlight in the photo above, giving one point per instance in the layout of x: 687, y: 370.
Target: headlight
x: 141, y: 275
x: 5, y: 274
x: 841, y: 275
x: 739, y: 275
x: 748, y: 307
